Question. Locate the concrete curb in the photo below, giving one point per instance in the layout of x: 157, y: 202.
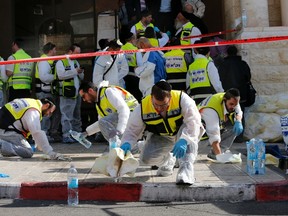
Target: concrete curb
x: 274, y: 191
x: 130, y: 192
x: 148, y: 192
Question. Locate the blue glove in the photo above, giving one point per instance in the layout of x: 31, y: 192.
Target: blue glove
x: 238, y: 128
x: 169, y: 34
x: 156, y: 29
x: 126, y: 147
x: 180, y: 148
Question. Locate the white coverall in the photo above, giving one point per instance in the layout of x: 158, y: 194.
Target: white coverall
x: 114, y: 121
x: 15, y: 144
x: 156, y: 150
x: 115, y: 74
x: 146, y: 74
x: 211, y: 119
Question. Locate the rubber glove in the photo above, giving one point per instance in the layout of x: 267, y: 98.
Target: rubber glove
x: 169, y: 34
x: 238, y: 128
x: 180, y: 148
x: 156, y: 29
x: 126, y: 147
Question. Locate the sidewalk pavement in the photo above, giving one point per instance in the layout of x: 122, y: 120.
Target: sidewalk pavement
x: 41, y: 179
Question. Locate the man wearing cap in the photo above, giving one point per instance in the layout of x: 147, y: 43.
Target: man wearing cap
x: 113, y: 105
x: 20, y: 118
x: 173, y: 125
x: 185, y: 28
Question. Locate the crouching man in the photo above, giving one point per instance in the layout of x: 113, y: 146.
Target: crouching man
x: 174, y: 128
x: 20, y: 118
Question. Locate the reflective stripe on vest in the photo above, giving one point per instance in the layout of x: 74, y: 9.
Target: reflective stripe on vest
x: 186, y: 31
x: 198, y: 77
x: 131, y: 57
x: 176, y: 66
x: 104, y: 107
x: 155, y: 123
x: 22, y: 74
x: 18, y: 108
x: 215, y: 102
x: 68, y: 84
x: 41, y: 86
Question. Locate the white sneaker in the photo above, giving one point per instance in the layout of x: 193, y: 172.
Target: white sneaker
x: 167, y: 168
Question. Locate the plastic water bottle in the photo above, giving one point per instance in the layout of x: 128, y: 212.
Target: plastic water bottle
x: 80, y: 138
x: 244, y: 18
x: 251, y: 157
x: 72, y: 186
x: 255, y: 157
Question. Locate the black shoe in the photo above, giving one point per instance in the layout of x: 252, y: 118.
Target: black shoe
x: 181, y: 182
x: 211, y: 155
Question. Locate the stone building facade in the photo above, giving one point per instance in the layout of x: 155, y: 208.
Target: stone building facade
x: 268, y: 62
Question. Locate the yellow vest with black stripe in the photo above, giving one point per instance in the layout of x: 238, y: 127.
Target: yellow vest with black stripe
x: 155, y: 123
x: 1, y: 81
x: 68, y: 87
x: 22, y: 74
x: 16, y: 109
x: 41, y: 86
x: 131, y: 57
x: 186, y: 31
x: 216, y: 103
x: 154, y: 42
x: 176, y: 69
x: 104, y: 107
x: 199, y: 79
x: 140, y: 29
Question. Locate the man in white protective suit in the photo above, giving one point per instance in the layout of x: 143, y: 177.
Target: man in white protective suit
x: 20, y: 118
x: 113, y: 105
x: 174, y: 128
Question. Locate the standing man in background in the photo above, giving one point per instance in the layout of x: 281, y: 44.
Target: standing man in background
x: 202, y: 77
x: 44, y: 76
x: 69, y: 74
x: 20, y: 74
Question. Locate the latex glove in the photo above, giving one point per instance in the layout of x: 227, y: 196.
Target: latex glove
x: 180, y: 148
x: 126, y: 147
x: 238, y: 128
x: 156, y: 29
x: 169, y: 34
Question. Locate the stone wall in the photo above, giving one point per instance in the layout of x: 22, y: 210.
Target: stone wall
x: 269, y: 68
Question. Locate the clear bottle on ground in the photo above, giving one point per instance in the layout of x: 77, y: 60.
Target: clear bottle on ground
x: 72, y: 186
x: 255, y: 157
x: 244, y: 18
x: 80, y: 138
